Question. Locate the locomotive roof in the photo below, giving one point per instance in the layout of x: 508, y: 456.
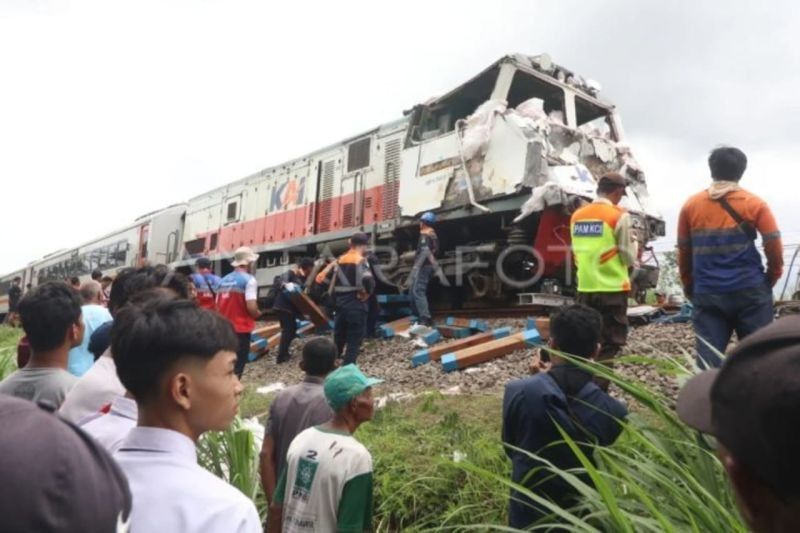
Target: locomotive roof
x: 538, y: 65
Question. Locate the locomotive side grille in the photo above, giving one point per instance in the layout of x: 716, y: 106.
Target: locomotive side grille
x: 327, y: 180
x: 391, y: 179
x: 347, y: 215
x: 327, y: 194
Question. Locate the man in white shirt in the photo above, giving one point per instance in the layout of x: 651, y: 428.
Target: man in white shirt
x: 110, y: 429
x: 326, y: 484
x: 178, y: 360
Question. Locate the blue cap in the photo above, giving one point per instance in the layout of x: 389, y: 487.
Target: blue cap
x: 344, y: 384
x: 428, y: 217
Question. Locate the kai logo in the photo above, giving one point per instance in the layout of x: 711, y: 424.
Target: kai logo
x: 588, y: 228
x: 288, y: 195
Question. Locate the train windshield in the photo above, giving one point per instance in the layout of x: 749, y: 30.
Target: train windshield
x: 440, y: 116
x: 525, y: 86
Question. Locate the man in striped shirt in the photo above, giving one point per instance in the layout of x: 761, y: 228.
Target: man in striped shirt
x: 721, y: 269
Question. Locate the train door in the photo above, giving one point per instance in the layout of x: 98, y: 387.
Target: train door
x: 352, y: 204
x: 352, y: 191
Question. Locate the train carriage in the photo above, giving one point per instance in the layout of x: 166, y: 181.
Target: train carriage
x: 154, y: 238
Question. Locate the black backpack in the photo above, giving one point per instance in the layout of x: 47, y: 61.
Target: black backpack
x: 272, y: 293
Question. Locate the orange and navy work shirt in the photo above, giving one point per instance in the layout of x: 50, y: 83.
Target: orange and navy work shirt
x: 233, y: 293
x: 715, y: 255
x: 352, y: 280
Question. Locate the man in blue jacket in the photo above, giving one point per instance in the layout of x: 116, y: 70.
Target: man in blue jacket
x: 565, y: 396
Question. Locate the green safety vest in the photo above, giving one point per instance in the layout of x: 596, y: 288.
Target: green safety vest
x: 594, y: 245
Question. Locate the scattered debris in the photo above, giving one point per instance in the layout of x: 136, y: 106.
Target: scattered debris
x: 381, y: 401
x: 388, y: 359
x: 452, y: 332
x: 387, y: 331
x: 272, y: 387
x: 681, y: 317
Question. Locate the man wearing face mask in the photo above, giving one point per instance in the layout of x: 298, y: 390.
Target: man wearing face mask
x: 326, y: 484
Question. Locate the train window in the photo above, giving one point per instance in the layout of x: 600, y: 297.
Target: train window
x: 195, y: 246
x: 76, y: 264
x: 212, y: 244
x: 102, y: 257
x: 593, y: 119
x: 440, y: 117
x: 358, y: 154
x: 231, y: 217
x: 525, y: 86
x: 121, y: 254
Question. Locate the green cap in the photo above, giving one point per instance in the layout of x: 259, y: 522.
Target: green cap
x: 344, y: 384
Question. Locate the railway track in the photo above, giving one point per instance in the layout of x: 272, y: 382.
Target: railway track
x: 516, y: 311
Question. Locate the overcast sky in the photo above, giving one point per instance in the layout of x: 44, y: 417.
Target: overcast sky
x: 111, y: 109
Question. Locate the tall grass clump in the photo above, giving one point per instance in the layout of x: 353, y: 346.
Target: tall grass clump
x: 659, y: 476
x: 9, y: 337
x: 233, y: 456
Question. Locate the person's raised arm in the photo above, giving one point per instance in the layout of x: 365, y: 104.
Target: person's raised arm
x: 251, y: 297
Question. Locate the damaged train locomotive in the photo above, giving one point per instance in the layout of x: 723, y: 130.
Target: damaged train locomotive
x: 502, y: 160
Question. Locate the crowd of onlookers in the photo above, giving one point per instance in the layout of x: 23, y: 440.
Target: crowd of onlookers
x: 140, y: 366
x: 144, y: 386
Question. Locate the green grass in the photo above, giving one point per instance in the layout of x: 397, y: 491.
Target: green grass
x: 253, y: 404
x: 9, y: 337
x: 440, y: 466
x: 418, y: 448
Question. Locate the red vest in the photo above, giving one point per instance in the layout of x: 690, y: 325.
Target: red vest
x: 231, y: 301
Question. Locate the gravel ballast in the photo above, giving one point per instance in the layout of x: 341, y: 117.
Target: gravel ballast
x: 391, y: 360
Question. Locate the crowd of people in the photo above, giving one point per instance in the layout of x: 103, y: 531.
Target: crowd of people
x: 140, y: 366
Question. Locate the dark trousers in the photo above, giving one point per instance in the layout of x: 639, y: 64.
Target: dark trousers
x: 288, y: 334
x: 242, y: 353
x: 613, y: 307
x: 418, y: 287
x: 717, y: 316
x: 372, y: 316
x: 348, y: 329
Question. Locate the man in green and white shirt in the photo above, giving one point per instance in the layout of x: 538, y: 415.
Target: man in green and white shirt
x: 326, y: 484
